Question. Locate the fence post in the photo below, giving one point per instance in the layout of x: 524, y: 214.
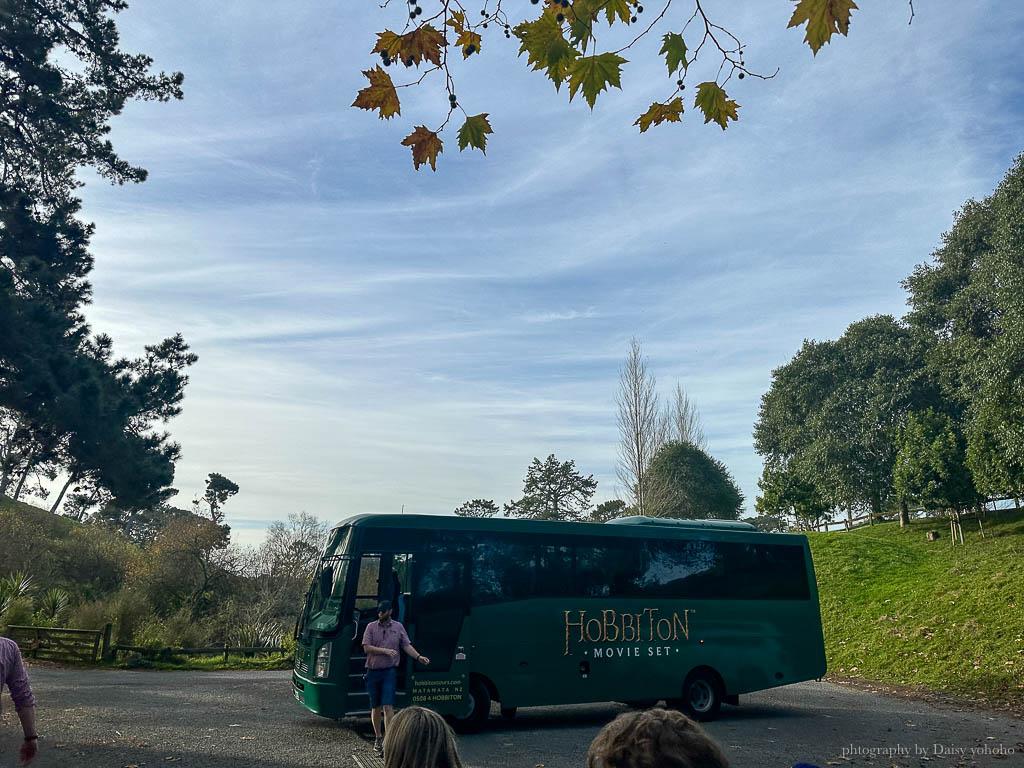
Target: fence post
x: 107, y: 632
x: 225, y: 651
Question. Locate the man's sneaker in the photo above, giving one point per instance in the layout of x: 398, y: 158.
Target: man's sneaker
x: 378, y: 746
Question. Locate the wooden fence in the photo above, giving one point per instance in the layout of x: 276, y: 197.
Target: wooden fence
x: 61, y: 644
x: 850, y: 522
x: 91, y: 645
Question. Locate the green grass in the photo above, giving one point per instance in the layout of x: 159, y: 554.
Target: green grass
x: 211, y: 663
x: 902, y: 610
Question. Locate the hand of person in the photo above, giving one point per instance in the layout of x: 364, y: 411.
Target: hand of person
x: 424, y: 659
x: 28, y: 750
x: 391, y: 652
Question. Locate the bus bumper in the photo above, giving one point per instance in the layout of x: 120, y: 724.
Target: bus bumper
x: 319, y: 697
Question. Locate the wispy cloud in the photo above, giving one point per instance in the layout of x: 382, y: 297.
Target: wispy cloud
x: 371, y: 337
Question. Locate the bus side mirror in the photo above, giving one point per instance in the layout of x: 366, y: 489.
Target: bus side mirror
x: 326, y: 581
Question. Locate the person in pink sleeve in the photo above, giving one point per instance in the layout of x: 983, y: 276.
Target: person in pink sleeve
x: 12, y: 674
x: 382, y: 641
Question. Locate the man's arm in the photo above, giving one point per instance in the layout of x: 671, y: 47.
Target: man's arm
x: 28, y: 721
x: 415, y: 654
x: 368, y: 649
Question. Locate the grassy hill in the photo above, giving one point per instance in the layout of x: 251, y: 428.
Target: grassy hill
x: 899, y: 609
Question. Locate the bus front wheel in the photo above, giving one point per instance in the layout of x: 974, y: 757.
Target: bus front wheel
x: 481, y: 709
x: 702, y: 695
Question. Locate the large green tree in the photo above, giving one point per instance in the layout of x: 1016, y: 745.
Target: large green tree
x: 685, y: 482
x: 218, y: 490
x: 931, y: 466
x: 787, y: 495
x: 833, y: 413
x: 970, y: 298
x: 62, y: 77
x: 553, y: 490
x: 477, y: 508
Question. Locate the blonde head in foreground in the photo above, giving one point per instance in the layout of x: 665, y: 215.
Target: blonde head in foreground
x: 420, y: 738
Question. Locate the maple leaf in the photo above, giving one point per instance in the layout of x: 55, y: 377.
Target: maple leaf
x: 457, y: 21
x: 823, y: 18
x: 546, y: 47
x: 424, y: 42
x: 592, y: 74
x: 388, y: 42
x: 618, y: 8
x: 379, y: 94
x: 467, y: 39
x: 473, y: 133
x: 660, y: 113
x: 713, y: 102
x: 674, y: 49
x: 425, y: 146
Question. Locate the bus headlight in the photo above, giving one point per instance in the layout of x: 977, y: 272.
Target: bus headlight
x: 323, y: 660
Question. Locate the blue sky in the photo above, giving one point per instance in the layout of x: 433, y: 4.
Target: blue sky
x: 371, y: 336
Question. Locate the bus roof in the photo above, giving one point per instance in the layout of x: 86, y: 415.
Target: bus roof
x: 734, y: 525
x: 630, y: 527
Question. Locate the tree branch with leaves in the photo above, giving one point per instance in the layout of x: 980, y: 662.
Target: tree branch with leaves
x: 560, y: 39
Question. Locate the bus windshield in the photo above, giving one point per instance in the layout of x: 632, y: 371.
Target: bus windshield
x: 326, y: 593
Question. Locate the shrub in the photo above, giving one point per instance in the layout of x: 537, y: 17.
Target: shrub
x: 260, y: 634
x: 92, y: 615
x: 129, y: 611
x: 18, y: 613
x: 56, y: 605
x: 176, y: 631
x: 13, y: 586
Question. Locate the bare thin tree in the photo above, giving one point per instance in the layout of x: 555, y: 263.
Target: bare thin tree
x: 638, y: 421
x: 685, y: 420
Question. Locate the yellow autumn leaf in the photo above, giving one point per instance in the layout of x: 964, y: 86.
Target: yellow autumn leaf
x: 424, y: 42
x: 823, y: 19
x: 380, y: 94
x: 425, y: 146
x: 661, y: 113
x: 469, y: 42
x: 457, y: 21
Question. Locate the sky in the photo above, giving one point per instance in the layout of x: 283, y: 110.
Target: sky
x: 373, y: 338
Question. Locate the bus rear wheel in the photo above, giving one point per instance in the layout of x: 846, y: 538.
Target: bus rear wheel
x: 702, y: 695
x: 481, y: 708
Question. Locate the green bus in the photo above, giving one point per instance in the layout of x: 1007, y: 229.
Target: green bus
x: 528, y: 613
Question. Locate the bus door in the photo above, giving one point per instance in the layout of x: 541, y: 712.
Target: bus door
x: 438, y: 612
x: 381, y: 577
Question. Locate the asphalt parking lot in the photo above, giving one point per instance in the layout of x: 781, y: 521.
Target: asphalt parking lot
x: 115, y: 718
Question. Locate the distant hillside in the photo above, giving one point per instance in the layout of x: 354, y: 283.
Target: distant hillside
x: 26, y: 514
x: 899, y: 609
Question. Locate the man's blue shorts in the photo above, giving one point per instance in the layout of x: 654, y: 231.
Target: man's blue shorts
x: 380, y: 684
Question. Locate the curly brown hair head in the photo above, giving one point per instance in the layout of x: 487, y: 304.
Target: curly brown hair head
x: 657, y: 738
x: 420, y: 738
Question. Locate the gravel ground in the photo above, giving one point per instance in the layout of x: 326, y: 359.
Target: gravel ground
x: 114, y: 718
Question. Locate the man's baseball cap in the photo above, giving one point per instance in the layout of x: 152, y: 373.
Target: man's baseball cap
x: 383, y: 605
